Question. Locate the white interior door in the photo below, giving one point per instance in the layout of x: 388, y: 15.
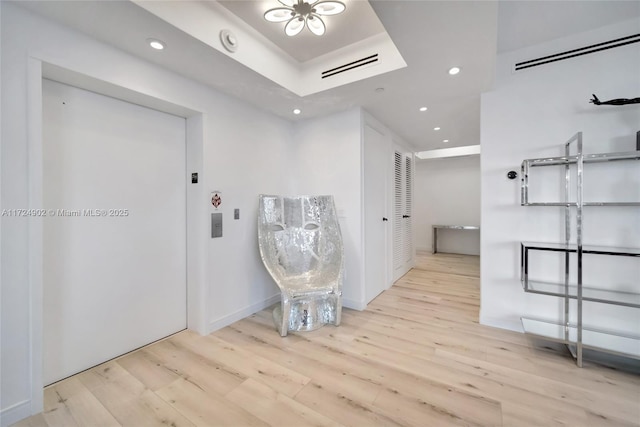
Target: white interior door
x: 376, y: 173
x: 115, y: 232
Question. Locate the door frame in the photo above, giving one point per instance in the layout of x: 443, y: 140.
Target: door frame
x: 197, y: 312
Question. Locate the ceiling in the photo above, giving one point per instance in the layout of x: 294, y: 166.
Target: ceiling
x: 431, y: 36
x: 526, y: 23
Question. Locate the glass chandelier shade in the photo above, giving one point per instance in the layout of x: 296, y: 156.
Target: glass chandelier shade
x: 298, y: 14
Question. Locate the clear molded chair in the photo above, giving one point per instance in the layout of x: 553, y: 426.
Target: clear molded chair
x: 301, y: 247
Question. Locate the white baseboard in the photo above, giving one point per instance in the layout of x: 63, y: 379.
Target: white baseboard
x: 502, y: 323
x: 353, y: 304
x: 241, y: 314
x: 15, y: 413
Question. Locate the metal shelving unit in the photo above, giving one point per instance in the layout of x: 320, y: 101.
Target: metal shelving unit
x: 576, y: 335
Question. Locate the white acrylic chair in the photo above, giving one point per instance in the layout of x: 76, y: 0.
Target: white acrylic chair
x: 301, y: 247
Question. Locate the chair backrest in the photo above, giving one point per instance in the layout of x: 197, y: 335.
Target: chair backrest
x: 299, y: 238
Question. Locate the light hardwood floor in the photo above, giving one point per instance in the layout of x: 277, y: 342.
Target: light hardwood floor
x: 417, y: 356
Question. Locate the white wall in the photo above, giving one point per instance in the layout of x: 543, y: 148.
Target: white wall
x: 244, y: 153
x: 328, y: 152
x: 447, y: 192
x: 531, y: 114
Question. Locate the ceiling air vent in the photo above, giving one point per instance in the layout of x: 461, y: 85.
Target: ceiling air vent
x: 578, y: 52
x: 350, y: 66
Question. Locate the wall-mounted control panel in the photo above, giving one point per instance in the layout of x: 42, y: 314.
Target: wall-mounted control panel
x: 216, y: 224
x: 236, y: 213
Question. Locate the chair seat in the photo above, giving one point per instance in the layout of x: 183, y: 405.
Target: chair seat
x: 302, y: 285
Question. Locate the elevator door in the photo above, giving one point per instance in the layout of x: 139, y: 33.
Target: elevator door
x: 114, y: 248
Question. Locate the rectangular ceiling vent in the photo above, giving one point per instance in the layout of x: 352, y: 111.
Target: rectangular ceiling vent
x: 578, y: 52
x: 350, y: 66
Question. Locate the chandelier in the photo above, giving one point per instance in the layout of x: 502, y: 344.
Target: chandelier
x: 299, y: 13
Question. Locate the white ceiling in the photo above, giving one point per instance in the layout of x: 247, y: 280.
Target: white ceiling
x: 526, y: 23
x: 431, y: 36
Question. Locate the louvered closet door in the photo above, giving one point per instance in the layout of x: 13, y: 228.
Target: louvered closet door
x: 407, y: 235
x: 397, y: 213
x: 402, y: 214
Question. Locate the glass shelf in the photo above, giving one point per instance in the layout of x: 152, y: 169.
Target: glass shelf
x: 587, y: 158
x: 610, y: 342
x: 569, y: 160
x: 586, y: 249
x: 628, y: 299
x: 565, y: 204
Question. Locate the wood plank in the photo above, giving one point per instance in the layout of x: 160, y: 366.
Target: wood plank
x: 130, y: 402
x: 326, y: 375
x: 149, y: 369
x: 69, y: 402
x: 434, y: 398
x: 276, y: 408
x: 343, y: 408
x: 206, y: 409
x: 420, y: 412
x: 37, y: 420
x: 207, y: 373
x: 280, y: 378
x: 440, y: 373
x: 614, y: 403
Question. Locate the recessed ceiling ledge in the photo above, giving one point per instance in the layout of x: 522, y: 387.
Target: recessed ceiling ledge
x: 442, y: 153
x: 204, y: 21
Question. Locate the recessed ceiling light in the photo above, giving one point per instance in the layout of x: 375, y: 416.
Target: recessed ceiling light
x: 445, y: 140
x: 297, y: 111
x: 436, y: 128
x: 379, y: 90
x: 423, y: 108
x: 156, y: 44
x: 454, y: 70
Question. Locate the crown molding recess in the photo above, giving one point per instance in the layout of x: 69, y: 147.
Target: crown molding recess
x: 204, y: 21
x: 468, y: 150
